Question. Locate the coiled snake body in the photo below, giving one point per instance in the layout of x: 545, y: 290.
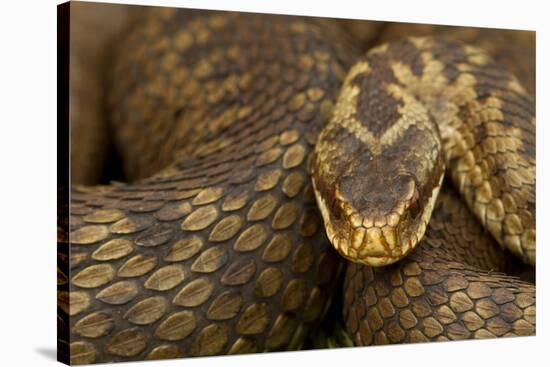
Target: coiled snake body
x: 217, y: 246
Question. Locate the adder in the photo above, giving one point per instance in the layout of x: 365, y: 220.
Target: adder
x: 252, y: 147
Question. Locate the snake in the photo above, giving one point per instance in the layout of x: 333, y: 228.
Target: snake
x: 274, y: 172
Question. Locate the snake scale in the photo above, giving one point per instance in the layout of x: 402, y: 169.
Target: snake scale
x: 215, y: 245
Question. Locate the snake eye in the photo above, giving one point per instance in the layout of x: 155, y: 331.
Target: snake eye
x: 414, y: 206
x: 334, y: 207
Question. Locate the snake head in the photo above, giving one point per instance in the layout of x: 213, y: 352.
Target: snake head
x: 376, y: 212
x: 378, y: 167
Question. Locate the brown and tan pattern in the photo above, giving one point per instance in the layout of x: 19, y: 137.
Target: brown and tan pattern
x: 511, y: 48
x: 379, y: 162
x: 215, y: 245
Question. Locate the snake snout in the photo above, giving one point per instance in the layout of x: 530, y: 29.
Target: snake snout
x: 382, y: 220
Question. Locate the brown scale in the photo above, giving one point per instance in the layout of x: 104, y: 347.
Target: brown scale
x: 223, y: 251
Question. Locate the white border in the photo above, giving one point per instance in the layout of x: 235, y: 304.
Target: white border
x: 28, y: 181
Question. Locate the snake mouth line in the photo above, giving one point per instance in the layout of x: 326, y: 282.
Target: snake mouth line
x: 374, y: 246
